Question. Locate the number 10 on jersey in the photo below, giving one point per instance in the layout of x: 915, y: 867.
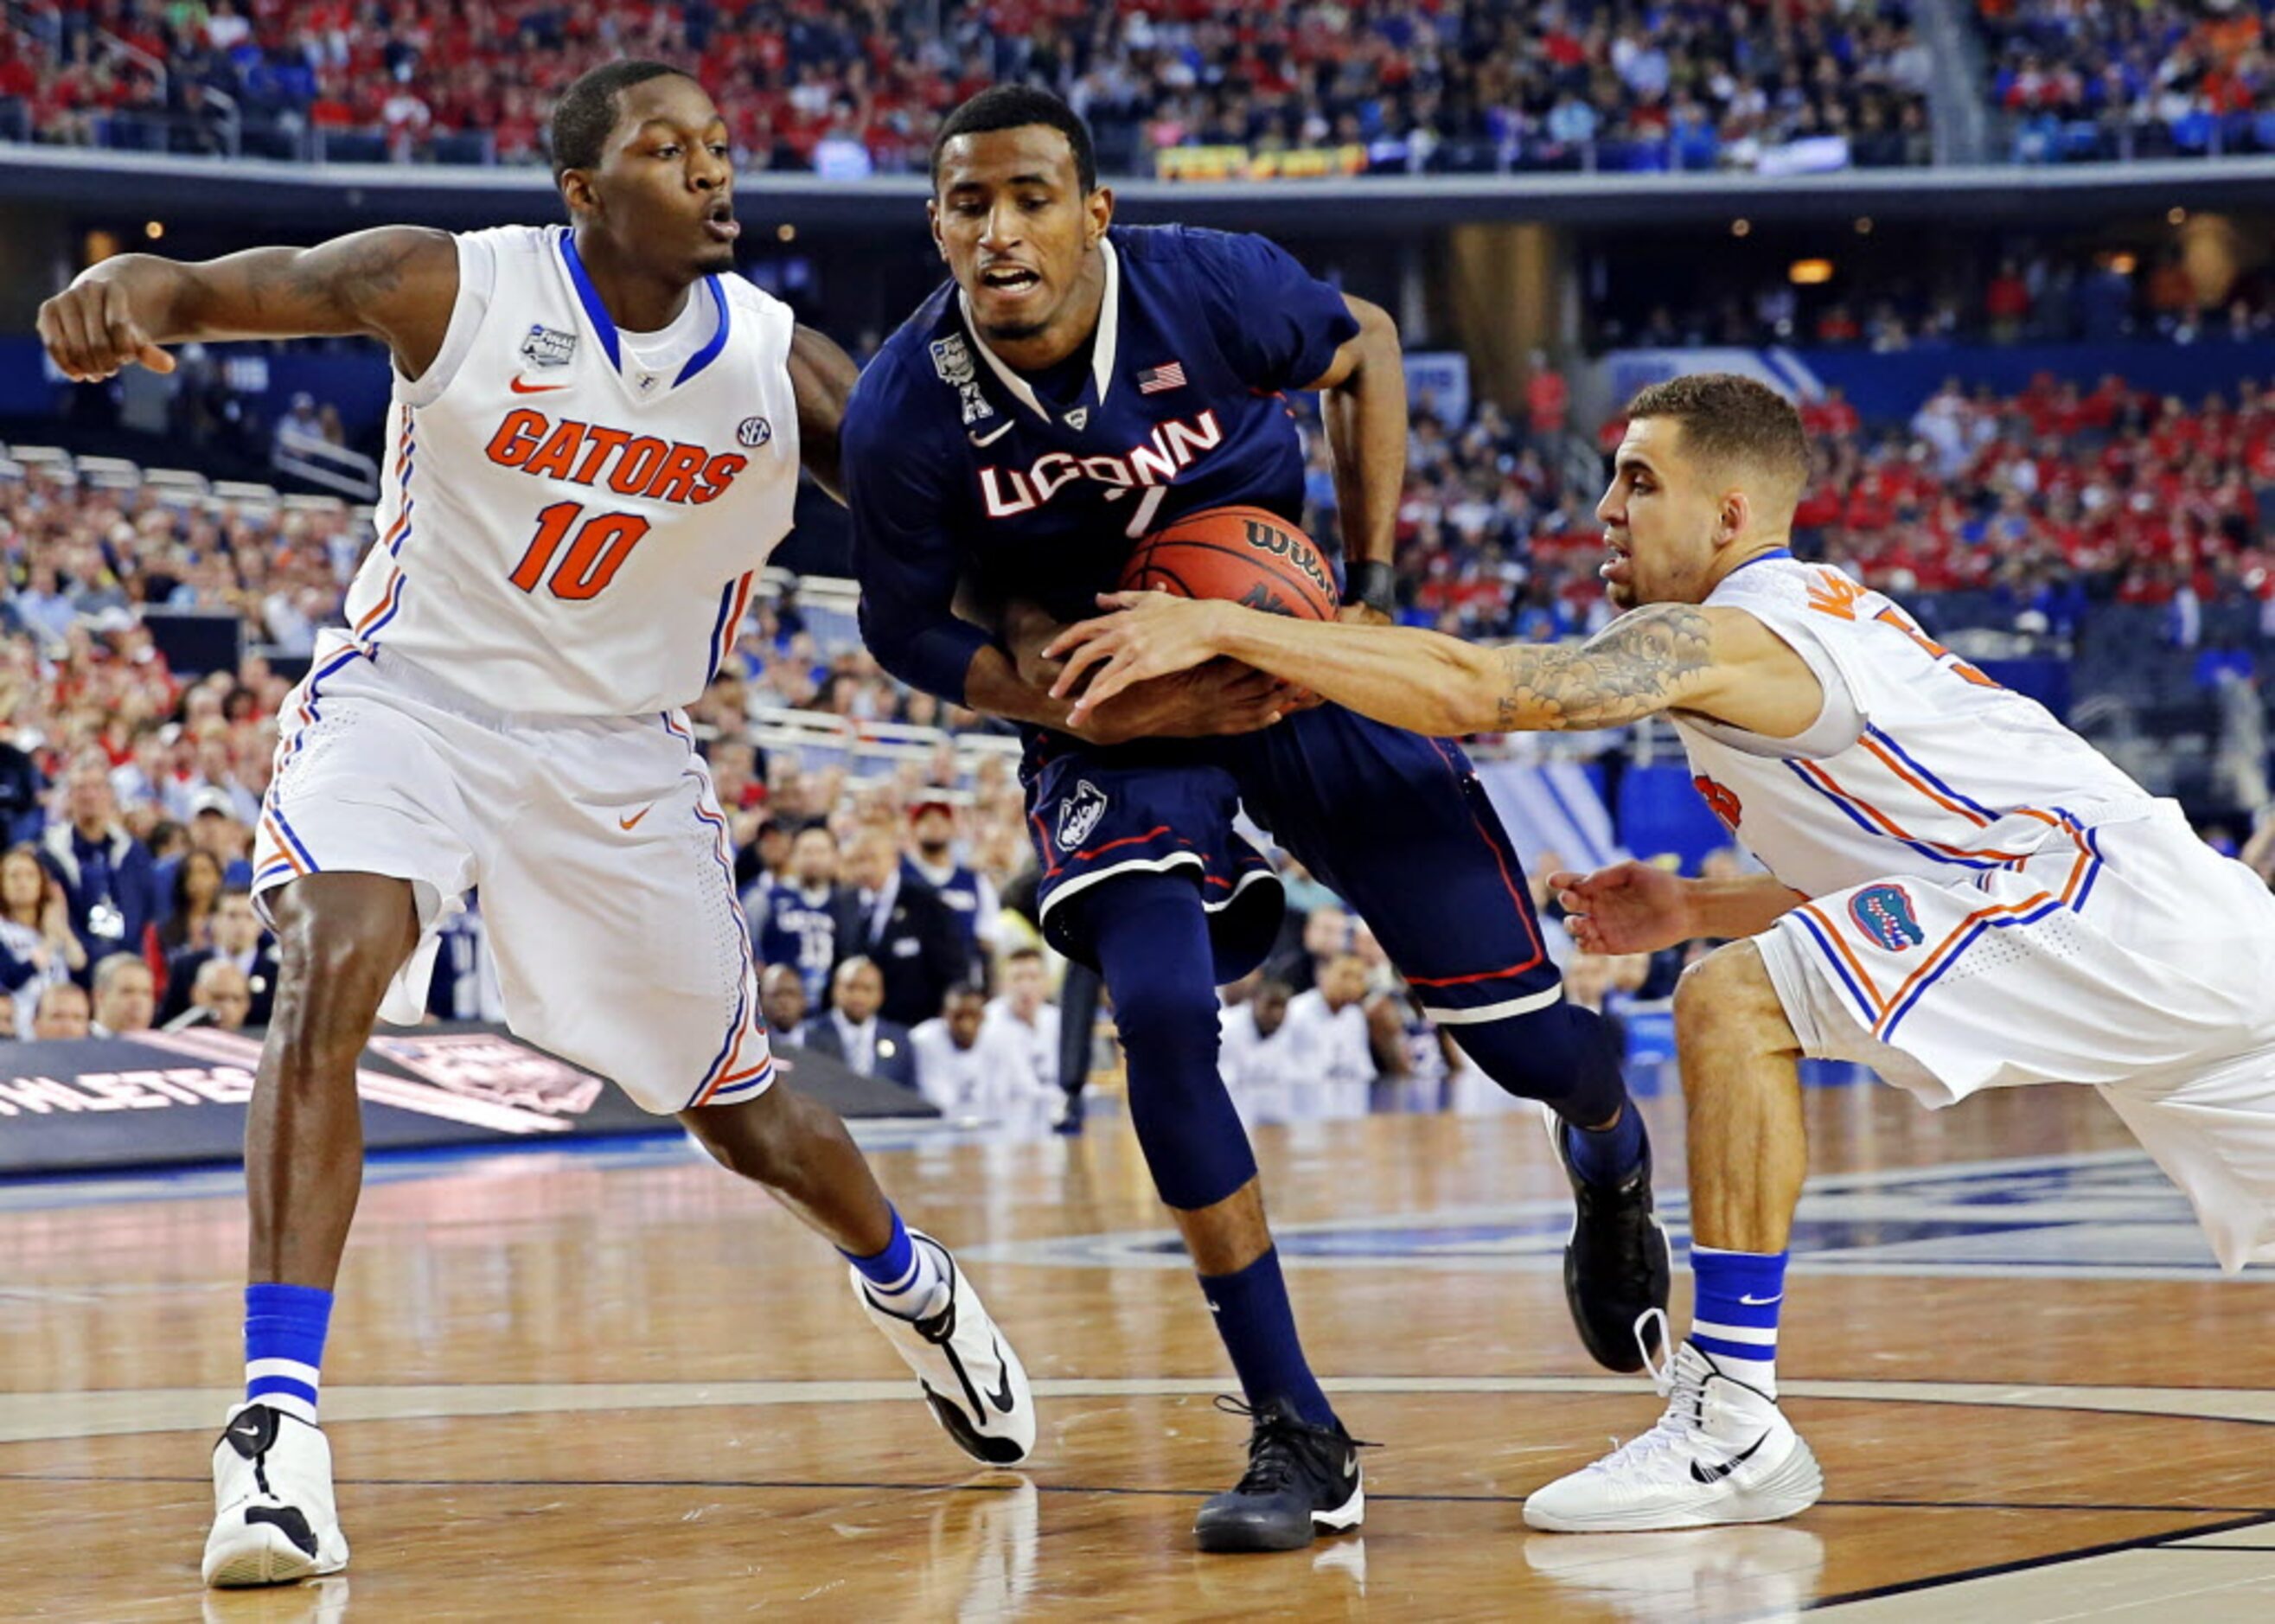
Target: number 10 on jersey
x: 597, y: 548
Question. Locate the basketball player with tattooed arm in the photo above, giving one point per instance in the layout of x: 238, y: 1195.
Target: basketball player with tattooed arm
x: 595, y: 440
x: 1073, y: 388
x: 1963, y: 893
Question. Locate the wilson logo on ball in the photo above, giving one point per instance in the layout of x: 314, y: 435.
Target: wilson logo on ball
x: 1297, y: 551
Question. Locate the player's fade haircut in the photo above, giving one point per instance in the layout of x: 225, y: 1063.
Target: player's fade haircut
x: 1014, y: 107
x: 1727, y: 418
x: 586, y: 112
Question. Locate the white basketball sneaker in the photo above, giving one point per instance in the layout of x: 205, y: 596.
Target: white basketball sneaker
x: 274, y: 1521
x: 975, y: 1383
x: 1722, y: 1453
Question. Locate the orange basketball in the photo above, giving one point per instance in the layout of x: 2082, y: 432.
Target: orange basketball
x: 1244, y: 554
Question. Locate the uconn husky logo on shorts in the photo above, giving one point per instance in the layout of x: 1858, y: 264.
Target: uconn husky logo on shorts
x: 1884, y: 914
x: 1078, y: 814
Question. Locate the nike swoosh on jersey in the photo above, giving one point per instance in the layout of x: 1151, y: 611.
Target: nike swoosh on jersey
x: 991, y: 437
x: 520, y: 388
x: 628, y: 824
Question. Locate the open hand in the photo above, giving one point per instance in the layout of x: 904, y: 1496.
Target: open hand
x: 1628, y: 907
x: 1151, y: 634
x: 1215, y: 698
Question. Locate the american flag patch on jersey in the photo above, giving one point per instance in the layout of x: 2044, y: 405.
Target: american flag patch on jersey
x: 1153, y: 380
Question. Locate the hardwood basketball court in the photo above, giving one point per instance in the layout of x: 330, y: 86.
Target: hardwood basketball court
x: 619, y: 1384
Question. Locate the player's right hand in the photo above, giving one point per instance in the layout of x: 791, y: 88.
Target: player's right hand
x: 1628, y: 907
x: 91, y: 332
x: 1217, y: 698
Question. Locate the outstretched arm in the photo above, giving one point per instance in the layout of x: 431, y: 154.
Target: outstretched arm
x: 1666, y: 656
x: 1650, y: 661
x: 395, y: 283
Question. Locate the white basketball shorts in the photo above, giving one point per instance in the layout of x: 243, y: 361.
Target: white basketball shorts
x: 2127, y: 955
x: 606, y: 872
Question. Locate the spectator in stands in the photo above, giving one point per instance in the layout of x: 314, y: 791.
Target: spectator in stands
x: 1329, y: 1036
x: 11, y: 1020
x: 237, y: 939
x: 195, y: 890
x: 1329, y: 932
x: 905, y: 930
x: 1255, y: 1060
x: 21, y: 786
x: 299, y: 426
x: 930, y: 863
x: 219, y: 997
x: 964, y: 1065
x: 782, y: 999
x: 1025, y: 1012
x: 126, y: 996
x: 62, y: 1013
x: 37, y: 946
x: 855, y: 1033
x: 797, y: 918
x: 110, y: 886
x: 1547, y: 399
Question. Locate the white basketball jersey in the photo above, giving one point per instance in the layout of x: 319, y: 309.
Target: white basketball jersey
x: 1919, y: 764
x: 561, y: 531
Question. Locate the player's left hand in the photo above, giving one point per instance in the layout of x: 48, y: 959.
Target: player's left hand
x: 1149, y: 634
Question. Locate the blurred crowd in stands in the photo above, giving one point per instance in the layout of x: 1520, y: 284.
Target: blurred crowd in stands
x: 1882, y: 303
x: 847, y: 89
x: 2159, y: 79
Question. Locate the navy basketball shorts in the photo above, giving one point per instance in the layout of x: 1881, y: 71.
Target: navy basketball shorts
x: 1150, y: 808
x: 1398, y: 826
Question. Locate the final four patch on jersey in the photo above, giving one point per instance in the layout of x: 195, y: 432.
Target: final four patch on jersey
x: 1078, y: 814
x: 951, y: 359
x: 1885, y: 914
x: 546, y: 347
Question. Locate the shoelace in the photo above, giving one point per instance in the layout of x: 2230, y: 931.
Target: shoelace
x: 1685, y: 1391
x: 1276, y: 1444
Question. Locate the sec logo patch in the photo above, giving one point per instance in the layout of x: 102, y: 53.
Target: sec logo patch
x: 754, y: 432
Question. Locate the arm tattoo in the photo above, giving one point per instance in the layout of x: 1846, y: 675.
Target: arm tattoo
x: 330, y: 287
x: 1640, y: 664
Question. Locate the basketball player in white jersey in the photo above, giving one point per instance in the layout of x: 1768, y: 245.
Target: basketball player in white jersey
x: 595, y: 442
x: 1963, y: 895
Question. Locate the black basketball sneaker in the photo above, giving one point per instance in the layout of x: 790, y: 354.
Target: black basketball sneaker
x: 1615, y: 1265
x: 1301, y: 1480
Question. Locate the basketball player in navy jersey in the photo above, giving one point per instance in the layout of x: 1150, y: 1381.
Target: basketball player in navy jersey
x: 1073, y: 388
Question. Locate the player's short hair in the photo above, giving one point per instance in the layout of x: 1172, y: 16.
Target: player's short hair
x: 1727, y: 418
x: 586, y: 111
x: 1013, y: 106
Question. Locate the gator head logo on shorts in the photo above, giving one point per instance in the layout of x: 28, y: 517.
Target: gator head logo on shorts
x: 1078, y: 814
x: 1720, y: 799
x: 1885, y: 913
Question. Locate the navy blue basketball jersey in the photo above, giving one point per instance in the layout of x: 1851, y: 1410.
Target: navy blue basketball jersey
x: 797, y: 928
x: 957, y: 465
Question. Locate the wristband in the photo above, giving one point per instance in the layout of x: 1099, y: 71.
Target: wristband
x: 1374, y: 583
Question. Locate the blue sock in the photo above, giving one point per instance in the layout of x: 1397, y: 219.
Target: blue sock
x: 1734, y: 1313
x: 1259, y: 1328
x: 1604, y: 1156
x: 902, y: 1278
x: 284, y: 1328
